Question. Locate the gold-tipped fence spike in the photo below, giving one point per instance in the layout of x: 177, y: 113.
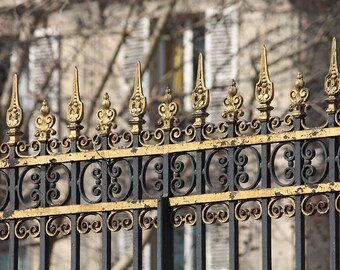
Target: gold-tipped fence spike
x: 44, y: 123
x: 298, y: 97
x: 167, y: 111
x: 106, y: 116
x: 264, y: 89
x: 75, y: 110
x: 232, y: 104
x: 14, y: 114
x: 200, y: 96
x: 332, y: 80
x: 137, y: 105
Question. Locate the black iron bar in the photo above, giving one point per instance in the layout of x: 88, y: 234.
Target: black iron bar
x: 233, y: 222
x: 333, y: 214
x: 200, y: 233
x: 44, y: 238
x: 75, y: 199
x: 299, y: 217
x: 165, y: 233
x: 106, y: 233
x: 266, y: 220
x: 137, y: 195
x: 13, y: 205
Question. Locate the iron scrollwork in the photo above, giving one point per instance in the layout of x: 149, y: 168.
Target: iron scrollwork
x: 181, y: 183
x: 213, y: 212
x: 89, y: 222
x: 58, y: 225
x: 183, y: 215
x: 120, y: 219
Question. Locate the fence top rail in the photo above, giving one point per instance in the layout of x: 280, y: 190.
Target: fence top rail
x: 169, y: 138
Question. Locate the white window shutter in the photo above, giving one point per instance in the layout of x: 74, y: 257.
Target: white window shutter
x: 221, y: 55
x: 43, y: 58
x: 135, y: 47
x: 188, y: 55
x: 217, y: 247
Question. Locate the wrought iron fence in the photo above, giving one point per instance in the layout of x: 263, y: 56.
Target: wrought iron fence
x: 262, y: 169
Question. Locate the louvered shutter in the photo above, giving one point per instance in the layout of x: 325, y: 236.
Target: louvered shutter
x: 135, y: 47
x: 217, y: 247
x: 221, y: 59
x: 43, y: 72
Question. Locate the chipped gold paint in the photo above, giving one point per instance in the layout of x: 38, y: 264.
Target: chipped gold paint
x: 75, y: 110
x: 14, y: 115
x: 264, y: 89
x: 137, y: 105
x: 243, y: 195
x: 175, y: 148
x: 200, y: 96
x: 44, y: 123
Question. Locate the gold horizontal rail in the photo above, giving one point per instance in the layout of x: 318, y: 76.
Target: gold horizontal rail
x: 175, y: 201
x: 315, y: 133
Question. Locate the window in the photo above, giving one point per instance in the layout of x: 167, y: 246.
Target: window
x: 215, y: 33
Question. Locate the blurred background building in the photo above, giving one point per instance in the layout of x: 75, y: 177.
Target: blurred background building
x: 42, y: 40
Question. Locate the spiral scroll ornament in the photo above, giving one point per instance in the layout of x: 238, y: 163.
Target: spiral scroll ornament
x: 147, y: 219
x: 89, y: 223
x: 120, y: 186
x: 248, y: 209
x: 27, y: 228
x: 4, y: 230
x: 183, y: 215
x: 312, y: 204
x: 120, y: 219
x: 215, y: 212
x: 58, y: 225
x: 279, y: 207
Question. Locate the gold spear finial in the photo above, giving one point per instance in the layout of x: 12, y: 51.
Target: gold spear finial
x: 332, y: 80
x: 137, y: 105
x: 14, y: 114
x: 75, y: 111
x: 200, y: 95
x: 264, y: 89
x: 45, y: 123
x: 106, y: 116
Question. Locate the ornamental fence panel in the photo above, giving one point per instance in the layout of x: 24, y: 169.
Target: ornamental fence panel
x: 264, y: 169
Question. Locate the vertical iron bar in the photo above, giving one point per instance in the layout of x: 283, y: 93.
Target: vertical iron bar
x: 137, y: 195
x: 44, y: 238
x: 266, y: 221
x: 13, y: 205
x: 165, y: 234
x: 165, y: 254
x: 200, y: 189
x: 106, y: 233
x: 333, y: 214
x: 299, y: 217
x: 233, y: 223
x: 75, y: 200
